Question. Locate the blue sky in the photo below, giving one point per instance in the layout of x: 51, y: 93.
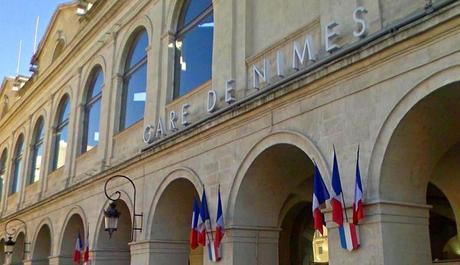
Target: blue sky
x: 17, y: 22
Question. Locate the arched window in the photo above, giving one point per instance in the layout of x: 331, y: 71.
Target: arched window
x: 134, y: 81
x: 194, y: 42
x: 2, y: 170
x: 61, y: 134
x: 17, y: 165
x: 58, y: 50
x: 37, y: 151
x: 92, y: 110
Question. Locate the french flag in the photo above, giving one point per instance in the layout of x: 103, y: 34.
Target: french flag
x: 220, y: 229
x: 195, y: 230
x: 320, y: 195
x: 349, y: 237
x: 358, y: 212
x: 203, y: 218
x: 78, y: 250
x: 336, y: 200
x: 86, y: 252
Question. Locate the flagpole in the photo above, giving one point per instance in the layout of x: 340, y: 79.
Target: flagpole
x: 206, y: 228
x: 343, y: 198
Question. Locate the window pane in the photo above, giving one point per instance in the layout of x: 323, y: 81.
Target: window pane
x: 36, y: 163
x: 92, y: 126
x: 137, y: 52
x: 39, y: 132
x: 64, y: 110
x: 134, y: 97
x: 2, y: 171
x: 60, y: 148
x: 96, y: 85
x: 194, y: 57
x: 16, y: 183
x: 194, y: 8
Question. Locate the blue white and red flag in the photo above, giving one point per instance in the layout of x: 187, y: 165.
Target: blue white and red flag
x: 220, y: 229
x: 194, y: 229
x: 203, y: 220
x: 337, y: 196
x: 358, y: 211
x: 320, y: 195
x: 349, y: 236
x: 78, y: 250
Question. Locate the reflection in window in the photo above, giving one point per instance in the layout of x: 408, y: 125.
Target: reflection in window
x: 92, y: 110
x: 134, y: 81
x: 2, y: 170
x: 17, y: 165
x: 61, y: 134
x: 37, y: 152
x: 194, y: 42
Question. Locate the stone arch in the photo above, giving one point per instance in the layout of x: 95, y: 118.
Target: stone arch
x: 74, y: 224
x: 280, y: 137
x: 275, y: 177
x: 19, y: 255
x: 173, y: 13
x: 179, y: 173
x: 114, y: 250
x: 417, y: 135
x: 76, y: 210
x: 60, y: 97
x: 42, y: 244
x: 126, y: 40
x: 98, y: 61
x: 419, y: 92
x: 170, y: 218
x: 445, y: 206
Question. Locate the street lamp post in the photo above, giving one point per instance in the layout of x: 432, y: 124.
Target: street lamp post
x: 111, y: 214
x: 10, y: 243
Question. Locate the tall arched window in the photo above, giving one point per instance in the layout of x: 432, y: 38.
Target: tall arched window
x: 37, y: 151
x: 134, y: 80
x: 92, y: 110
x: 3, y: 170
x: 194, y: 42
x: 61, y: 134
x: 17, y: 165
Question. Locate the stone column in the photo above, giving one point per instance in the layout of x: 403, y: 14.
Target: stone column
x: 249, y: 246
x: 160, y: 252
x: 391, y: 233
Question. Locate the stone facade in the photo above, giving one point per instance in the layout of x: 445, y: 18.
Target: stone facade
x: 394, y: 92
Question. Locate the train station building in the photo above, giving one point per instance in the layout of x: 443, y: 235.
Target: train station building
x: 182, y: 96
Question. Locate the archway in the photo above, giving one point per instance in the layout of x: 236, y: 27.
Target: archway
x: 73, y: 229
x: 115, y: 250
x: 42, y: 247
x: 18, y: 255
x: 2, y: 253
x: 171, y: 225
x: 274, y: 198
x: 424, y: 142
x: 443, y: 227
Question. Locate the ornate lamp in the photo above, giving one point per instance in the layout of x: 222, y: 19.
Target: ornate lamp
x: 111, y: 214
x: 9, y: 244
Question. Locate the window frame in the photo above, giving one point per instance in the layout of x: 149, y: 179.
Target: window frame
x: 90, y: 101
x: 17, y: 159
x: 181, y: 30
x: 38, y: 142
x: 3, y: 169
x: 129, y: 72
x: 60, y: 126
